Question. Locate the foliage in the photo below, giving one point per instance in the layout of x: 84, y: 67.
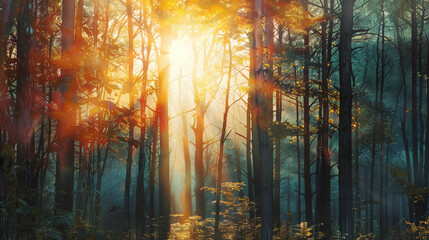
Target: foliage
x: 234, y: 223
x: 418, y: 231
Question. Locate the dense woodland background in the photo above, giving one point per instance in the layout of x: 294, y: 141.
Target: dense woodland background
x: 205, y: 119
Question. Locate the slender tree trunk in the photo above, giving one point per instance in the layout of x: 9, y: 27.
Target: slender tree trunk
x: 414, y: 113
x: 164, y: 159
x: 221, y: 147
x: 426, y: 165
x: 250, y: 182
x: 152, y: 175
x: 131, y: 124
x: 140, y: 191
x: 325, y: 164
x: 404, y: 115
x: 345, y: 148
x: 199, y: 139
x: 307, y: 165
x: 65, y: 156
x: 25, y: 133
x: 187, y: 201
x: 262, y: 117
x: 382, y: 76
x: 298, y: 152
x: 277, y: 143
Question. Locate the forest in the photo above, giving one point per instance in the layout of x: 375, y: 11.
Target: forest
x: 214, y: 119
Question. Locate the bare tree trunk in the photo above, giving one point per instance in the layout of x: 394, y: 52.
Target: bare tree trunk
x: 187, y: 208
x: 140, y: 191
x: 164, y: 159
x: 277, y: 143
x: 345, y: 118
x: 223, y: 138
x: 426, y: 165
x: 325, y: 164
x: 152, y: 175
x: 307, y: 151
x: 131, y: 124
x: 382, y: 76
x: 65, y: 155
x: 262, y: 117
x: 404, y: 115
x: 199, y: 140
x: 250, y: 181
x: 298, y: 153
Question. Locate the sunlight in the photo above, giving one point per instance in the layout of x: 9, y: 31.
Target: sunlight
x: 180, y: 58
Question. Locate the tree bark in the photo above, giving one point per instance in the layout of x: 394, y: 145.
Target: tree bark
x: 307, y: 165
x: 262, y: 117
x: 131, y: 123
x: 221, y: 146
x: 277, y: 143
x: 345, y: 146
x: 164, y: 159
x: 325, y: 164
x: 65, y: 155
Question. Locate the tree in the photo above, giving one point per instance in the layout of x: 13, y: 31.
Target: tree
x: 140, y: 191
x: 66, y: 91
x: 262, y: 114
x: 131, y: 108
x: 164, y: 159
x: 324, y: 192
x: 307, y: 165
x: 345, y: 147
x: 223, y: 137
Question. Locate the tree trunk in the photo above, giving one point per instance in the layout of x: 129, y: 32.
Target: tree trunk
x: 131, y: 124
x: 307, y: 165
x: 345, y: 118
x: 140, y: 191
x: 199, y: 139
x: 65, y: 155
x: 221, y: 147
x: 164, y: 159
x: 277, y: 143
x: 325, y: 164
x: 187, y: 200
x: 250, y: 182
x: 152, y: 175
x: 382, y: 76
x: 404, y: 115
x: 298, y: 152
x: 262, y: 117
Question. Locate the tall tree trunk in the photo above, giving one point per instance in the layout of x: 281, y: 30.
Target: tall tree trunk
x: 250, y: 181
x: 187, y: 200
x: 164, y: 159
x: 298, y: 152
x: 426, y: 165
x: 345, y: 118
x: 131, y: 124
x: 382, y: 76
x: 277, y: 143
x: 221, y: 146
x: 65, y: 156
x: 25, y: 133
x: 325, y: 164
x: 404, y: 114
x: 152, y: 175
x: 140, y: 191
x: 307, y: 165
x: 262, y: 117
x: 414, y: 113
x: 199, y: 139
